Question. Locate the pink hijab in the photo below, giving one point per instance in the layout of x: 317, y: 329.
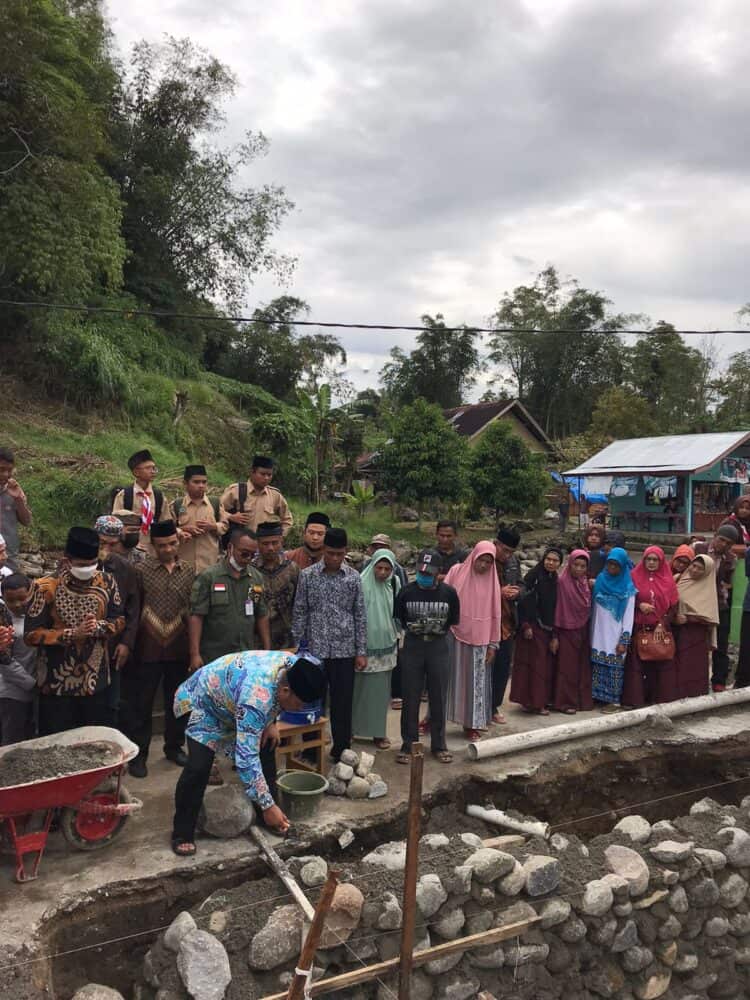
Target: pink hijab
x: 573, y: 607
x: 657, y: 588
x: 479, y: 594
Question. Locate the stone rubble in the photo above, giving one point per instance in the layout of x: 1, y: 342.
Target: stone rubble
x: 648, y: 912
x: 353, y: 776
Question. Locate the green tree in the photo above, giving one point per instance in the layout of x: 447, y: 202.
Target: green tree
x: 558, y: 375
x: 193, y: 232
x: 267, y: 351
x: 505, y: 474
x: 669, y: 375
x: 425, y: 458
x: 620, y: 413
x: 733, y: 390
x: 441, y: 369
x: 60, y: 213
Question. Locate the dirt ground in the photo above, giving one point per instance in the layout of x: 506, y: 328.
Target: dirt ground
x: 141, y: 879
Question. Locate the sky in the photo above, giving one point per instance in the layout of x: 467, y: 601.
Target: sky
x: 439, y: 154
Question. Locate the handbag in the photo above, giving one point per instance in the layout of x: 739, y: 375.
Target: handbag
x: 654, y: 645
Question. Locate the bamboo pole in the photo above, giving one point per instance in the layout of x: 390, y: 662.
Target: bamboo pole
x: 304, y: 969
x: 282, y: 871
x: 409, y: 903
x: 369, y: 972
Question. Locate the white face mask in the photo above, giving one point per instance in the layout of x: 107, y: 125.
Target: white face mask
x: 235, y: 565
x: 84, y: 572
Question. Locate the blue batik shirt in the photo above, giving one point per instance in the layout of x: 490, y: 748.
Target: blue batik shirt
x: 231, y: 701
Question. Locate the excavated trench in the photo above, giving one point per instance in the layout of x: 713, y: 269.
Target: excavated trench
x: 584, y: 795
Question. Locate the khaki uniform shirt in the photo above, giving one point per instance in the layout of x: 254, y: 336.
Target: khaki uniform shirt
x: 223, y: 602
x: 118, y: 507
x: 200, y: 551
x: 267, y: 504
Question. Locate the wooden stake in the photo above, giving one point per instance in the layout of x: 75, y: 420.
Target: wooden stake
x: 409, y: 904
x: 297, y: 985
x: 370, y: 972
x: 282, y: 871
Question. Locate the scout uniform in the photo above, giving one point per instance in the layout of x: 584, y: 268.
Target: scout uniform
x: 229, y: 607
x: 266, y: 504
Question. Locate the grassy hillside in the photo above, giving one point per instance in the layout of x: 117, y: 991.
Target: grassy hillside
x: 68, y: 462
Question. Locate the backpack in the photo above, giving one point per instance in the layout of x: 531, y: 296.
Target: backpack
x: 127, y: 500
x: 214, y: 501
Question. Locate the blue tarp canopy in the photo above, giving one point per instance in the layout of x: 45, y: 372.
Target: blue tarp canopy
x: 577, y: 485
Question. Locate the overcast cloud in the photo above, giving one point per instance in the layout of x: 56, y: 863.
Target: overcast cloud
x: 440, y: 154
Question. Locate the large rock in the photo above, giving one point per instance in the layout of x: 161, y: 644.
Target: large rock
x: 554, y: 912
x: 203, y: 965
x: 488, y: 864
x: 182, y: 925
x: 430, y: 895
x: 450, y: 924
x: 597, y: 898
x: 391, y: 855
x: 343, y: 916
x: 378, y: 789
x: 542, y: 874
x: 95, y: 991
x: 350, y: 757
x: 279, y: 940
x: 390, y: 916
x: 342, y: 771
x: 733, y: 891
x: 735, y: 845
x: 366, y: 763
x: 358, y: 788
x: 627, y: 863
x: 314, y: 872
x: 512, y: 883
x: 635, y: 827
x: 226, y: 812
x: 457, y: 988
x: 672, y: 851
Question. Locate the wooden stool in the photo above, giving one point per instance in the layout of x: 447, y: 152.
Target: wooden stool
x: 292, y: 743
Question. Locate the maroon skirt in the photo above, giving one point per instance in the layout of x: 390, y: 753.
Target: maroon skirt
x: 693, y: 659
x: 531, y: 681
x: 648, y: 682
x: 572, y: 674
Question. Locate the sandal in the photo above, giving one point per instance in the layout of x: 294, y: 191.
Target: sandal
x: 402, y: 757
x: 568, y: 711
x: 397, y: 704
x: 499, y: 719
x: 183, y: 848
x: 472, y: 735
x: 382, y: 743
x: 444, y: 756
x: 424, y: 726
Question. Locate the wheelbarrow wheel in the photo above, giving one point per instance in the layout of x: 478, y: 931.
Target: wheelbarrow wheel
x: 88, y: 831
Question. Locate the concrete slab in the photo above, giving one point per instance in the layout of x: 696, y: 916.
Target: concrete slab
x: 68, y: 876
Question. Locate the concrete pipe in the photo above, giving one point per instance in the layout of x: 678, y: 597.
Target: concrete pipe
x: 519, y: 742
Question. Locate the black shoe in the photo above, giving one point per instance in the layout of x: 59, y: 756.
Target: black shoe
x: 137, y: 768
x: 178, y: 757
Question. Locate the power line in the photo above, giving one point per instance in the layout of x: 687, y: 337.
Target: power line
x: 125, y: 313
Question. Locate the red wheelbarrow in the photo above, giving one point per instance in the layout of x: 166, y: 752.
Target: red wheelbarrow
x: 93, y: 804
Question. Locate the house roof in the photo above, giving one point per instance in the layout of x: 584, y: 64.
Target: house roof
x: 671, y: 453
x: 472, y: 418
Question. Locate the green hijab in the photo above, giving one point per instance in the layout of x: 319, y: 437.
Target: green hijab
x: 381, y: 628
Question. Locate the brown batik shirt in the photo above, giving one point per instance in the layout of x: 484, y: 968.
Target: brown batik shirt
x: 59, y: 604
x: 279, y: 588
x: 165, y: 604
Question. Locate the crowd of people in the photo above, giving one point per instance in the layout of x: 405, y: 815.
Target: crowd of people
x: 200, y: 597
